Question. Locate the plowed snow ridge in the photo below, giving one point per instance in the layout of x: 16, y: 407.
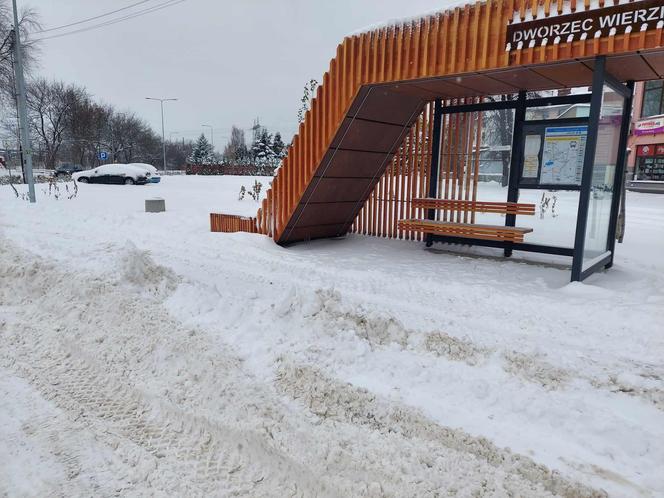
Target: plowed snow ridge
x: 169, y: 410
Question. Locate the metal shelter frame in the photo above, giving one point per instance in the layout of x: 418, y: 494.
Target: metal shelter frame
x: 601, y: 78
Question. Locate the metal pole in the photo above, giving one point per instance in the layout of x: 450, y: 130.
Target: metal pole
x: 435, y: 161
x: 515, y: 162
x: 163, y: 138
x: 22, y: 109
x: 163, y: 133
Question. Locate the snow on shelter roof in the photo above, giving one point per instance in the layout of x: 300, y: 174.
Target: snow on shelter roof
x: 400, y: 21
x: 451, y: 4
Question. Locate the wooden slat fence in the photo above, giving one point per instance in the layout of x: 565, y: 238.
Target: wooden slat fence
x: 408, y: 176
x: 232, y: 223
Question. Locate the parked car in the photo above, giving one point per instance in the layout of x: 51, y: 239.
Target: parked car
x: 118, y: 174
x: 154, y: 176
x: 67, y: 169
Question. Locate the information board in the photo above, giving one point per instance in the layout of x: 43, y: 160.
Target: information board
x: 563, y: 155
x: 531, y: 164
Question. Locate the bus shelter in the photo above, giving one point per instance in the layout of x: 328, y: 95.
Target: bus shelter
x: 390, y: 146
x: 584, y: 154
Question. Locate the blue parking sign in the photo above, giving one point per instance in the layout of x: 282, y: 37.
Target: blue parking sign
x: 103, y: 156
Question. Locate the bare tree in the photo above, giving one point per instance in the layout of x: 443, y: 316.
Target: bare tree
x: 130, y: 139
x: 236, y: 150
x: 50, y: 109
x: 177, y: 153
x: 28, y: 22
x: 88, y: 131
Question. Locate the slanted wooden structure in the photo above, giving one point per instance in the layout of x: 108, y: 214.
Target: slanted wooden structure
x: 397, y: 120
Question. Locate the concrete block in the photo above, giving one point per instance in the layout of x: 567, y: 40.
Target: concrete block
x: 156, y: 205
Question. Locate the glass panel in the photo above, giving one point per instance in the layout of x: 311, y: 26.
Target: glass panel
x: 555, y: 213
x: 496, y: 145
x: 651, y: 103
x: 562, y: 111
x: 652, y: 99
x: 651, y: 168
x: 601, y: 189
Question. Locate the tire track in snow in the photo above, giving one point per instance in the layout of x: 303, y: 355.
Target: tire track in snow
x: 338, y: 402
x: 199, y: 457
x: 379, y: 329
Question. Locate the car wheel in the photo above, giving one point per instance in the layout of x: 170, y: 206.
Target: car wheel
x: 82, y: 180
x: 129, y: 181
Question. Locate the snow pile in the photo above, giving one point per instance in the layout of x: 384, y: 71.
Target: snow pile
x: 138, y: 269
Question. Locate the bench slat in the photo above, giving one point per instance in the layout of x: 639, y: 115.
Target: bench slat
x: 476, y: 206
x: 466, y: 230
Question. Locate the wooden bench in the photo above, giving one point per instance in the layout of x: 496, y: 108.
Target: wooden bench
x: 466, y: 230
x: 469, y: 230
x: 476, y: 206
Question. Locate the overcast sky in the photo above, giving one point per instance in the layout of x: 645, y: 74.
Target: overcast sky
x: 226, y: 61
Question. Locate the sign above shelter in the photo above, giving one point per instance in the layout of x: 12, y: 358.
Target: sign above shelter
x: 637, y: 16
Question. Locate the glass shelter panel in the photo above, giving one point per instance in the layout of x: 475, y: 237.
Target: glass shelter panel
x: 603, y: 173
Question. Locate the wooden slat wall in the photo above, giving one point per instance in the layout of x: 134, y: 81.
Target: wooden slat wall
x: 232, y: 223
x: 469, y: 38
x: 408, y: 176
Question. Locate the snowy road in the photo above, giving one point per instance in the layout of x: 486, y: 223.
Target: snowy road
x: 143, y: 354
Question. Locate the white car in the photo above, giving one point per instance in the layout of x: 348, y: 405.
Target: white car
x: 154, y: 176
x: 118, y: 174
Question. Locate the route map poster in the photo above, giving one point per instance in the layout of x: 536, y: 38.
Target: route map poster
x: 562, y: 158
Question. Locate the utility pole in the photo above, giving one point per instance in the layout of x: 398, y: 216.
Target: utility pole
x: 23, y: 110
x: 163, y: 137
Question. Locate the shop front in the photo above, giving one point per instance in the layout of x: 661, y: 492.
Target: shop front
x: 646, y: 142
x: 650, y: 162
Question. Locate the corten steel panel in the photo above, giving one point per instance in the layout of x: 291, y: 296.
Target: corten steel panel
x: 323, y: 189
x: 567, y: 75
x: 317, y: 231
x: 368, y: 135
x: 389, y: 107
x: 656, y: 61
x: 327, y: 213
x: 628, y: 67
x: 358, y: 101
x: 482, y: 85
x: 347, y: 163
x: 456, y: 87
x: 412, y: 89
x: 524, y: 79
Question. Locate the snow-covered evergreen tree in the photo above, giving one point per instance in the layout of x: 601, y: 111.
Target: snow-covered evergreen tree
x: 278, y: 146
x: 202, y: 153
x: 262, y: 146
x: 262, y: 151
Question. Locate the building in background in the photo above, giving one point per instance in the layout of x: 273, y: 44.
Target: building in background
x: 646, y: 142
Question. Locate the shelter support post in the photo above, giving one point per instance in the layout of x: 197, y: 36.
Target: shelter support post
x: 588, y: 161
x: 515, y: 161
x: 435, y: 161
x: 621, y: 164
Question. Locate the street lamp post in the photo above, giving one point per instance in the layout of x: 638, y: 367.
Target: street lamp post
x: 211, y: 134
x: 163, y: 138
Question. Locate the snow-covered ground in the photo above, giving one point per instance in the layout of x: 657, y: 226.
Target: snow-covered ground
x: 142, y: 354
